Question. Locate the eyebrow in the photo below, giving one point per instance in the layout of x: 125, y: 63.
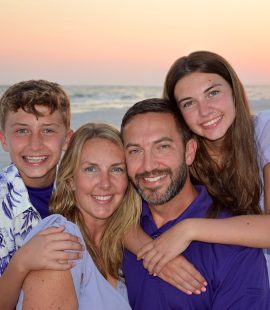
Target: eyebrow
x: 25, y: 125
x: 205, y: 91
x: 163, y: 139
x: 86, y: 162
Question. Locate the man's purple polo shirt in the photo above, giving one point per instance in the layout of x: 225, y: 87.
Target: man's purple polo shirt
x: 237, y: 276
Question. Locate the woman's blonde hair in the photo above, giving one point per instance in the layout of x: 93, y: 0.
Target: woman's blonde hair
x: 108, y: 255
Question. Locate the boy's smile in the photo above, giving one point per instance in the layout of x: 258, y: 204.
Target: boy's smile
x: 35, y: 144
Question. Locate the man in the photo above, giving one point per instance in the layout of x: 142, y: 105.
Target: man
x: 159, y: 149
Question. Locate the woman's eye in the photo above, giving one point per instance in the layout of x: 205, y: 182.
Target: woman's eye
x: 90, y: 169
x: 118, y: 170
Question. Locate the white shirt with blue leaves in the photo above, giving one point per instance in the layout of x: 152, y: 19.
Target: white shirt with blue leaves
x: 17, y: 214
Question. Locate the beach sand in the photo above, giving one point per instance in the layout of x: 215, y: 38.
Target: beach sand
x: 110, y: 116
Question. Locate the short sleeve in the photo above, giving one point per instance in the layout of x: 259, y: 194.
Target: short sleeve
x: 262, y: 136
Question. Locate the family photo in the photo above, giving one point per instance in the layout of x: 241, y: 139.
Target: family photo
x: 135, y: 155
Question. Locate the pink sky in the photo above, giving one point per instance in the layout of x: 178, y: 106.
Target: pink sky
x: 128, y: 42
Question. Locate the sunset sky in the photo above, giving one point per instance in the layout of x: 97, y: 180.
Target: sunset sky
x: 129, y: 42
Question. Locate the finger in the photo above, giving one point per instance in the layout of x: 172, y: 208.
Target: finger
x: 160, y: 264
x: 143, y: 251
x: 151, y: 262
x: 61, y: 266
x: 65, y: 256
x: 67, y: 246
x: 51, y: 230
x: 185, y: 282
x: 176, y: 284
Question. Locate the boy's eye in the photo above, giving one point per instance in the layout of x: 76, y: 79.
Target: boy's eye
x: 48, y: 130
x: 22, y: 131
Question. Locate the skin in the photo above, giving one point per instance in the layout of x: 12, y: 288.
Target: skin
x: 150, y: 154
x: 206, y: 103
x: 35, y: 144
x: 27, y: 138
x: 99, y: 182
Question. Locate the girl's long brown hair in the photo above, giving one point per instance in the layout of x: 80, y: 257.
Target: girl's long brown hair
x: 235, y: 184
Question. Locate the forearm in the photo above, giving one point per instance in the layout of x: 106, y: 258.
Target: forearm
x: 10, y: 285
x: 135, y: 238
x: 245, y: 230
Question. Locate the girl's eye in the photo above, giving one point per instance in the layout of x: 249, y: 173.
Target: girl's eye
x: 186, y: 104
x: 213, y: 92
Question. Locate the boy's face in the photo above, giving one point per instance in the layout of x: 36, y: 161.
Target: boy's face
x: 35, y: 145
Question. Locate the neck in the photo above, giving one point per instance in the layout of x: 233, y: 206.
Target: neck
x: 175, y: 207
x: 95, y: 229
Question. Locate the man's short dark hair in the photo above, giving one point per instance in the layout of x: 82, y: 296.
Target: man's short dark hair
x: 157, y: 105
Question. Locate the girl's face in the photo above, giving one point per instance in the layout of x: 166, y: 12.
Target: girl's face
x: 206, y: 103
x: 100, y: 181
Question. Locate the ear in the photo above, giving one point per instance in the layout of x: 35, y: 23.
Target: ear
x: 4, y: 141
x: 191, y: 148
x: 71, y: 184
x: 67, y: 139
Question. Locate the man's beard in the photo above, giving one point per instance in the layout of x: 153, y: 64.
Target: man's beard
x: 153, y: 196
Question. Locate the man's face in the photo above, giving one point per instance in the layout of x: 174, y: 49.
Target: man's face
x: 155, y: 156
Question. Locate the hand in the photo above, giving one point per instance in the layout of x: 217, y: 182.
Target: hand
x: 47, y: 250
x: 181, y: 273
x: 157, y: 253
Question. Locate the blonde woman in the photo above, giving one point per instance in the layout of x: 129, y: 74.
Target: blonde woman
x: 95, y: 201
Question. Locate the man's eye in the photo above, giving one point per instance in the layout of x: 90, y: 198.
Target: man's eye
x: 48, y: 130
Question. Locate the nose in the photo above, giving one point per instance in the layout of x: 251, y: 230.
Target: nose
x: 35, y: 141
x: 204, y: 108
x: 105, y: 181
x: 149, y: 161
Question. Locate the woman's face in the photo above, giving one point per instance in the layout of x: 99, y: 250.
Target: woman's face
x: 100, y: 181
x: 206, y: 103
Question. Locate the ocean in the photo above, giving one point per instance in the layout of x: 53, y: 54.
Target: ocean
x: 109, y: 103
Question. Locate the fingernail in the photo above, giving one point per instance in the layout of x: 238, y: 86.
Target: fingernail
x: 198, y: 292
x: 203, y: 289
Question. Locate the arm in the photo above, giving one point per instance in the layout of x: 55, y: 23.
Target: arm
x: 48, y: 289
x: 43, y: 251
x: 178, y: 272
x: 266, y: 178
x: 245, y: 230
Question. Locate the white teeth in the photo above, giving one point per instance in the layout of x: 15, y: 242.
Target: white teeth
x: 35, y: 159
x: 213, y: 121
x: 154, y: 179
x: 103, y: 198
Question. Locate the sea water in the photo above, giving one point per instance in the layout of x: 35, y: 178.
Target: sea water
x: 109, y: 103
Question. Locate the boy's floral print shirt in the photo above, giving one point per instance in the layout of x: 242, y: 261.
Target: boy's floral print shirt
x: 17, y: 214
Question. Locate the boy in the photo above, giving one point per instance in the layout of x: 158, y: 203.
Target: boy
x: 35, y: 128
